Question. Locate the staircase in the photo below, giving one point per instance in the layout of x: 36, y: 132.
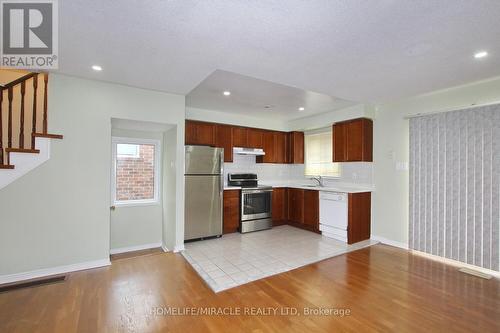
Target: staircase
x: 24, y: 140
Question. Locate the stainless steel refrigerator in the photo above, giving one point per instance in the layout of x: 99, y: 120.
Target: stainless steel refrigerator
x: 204, y: 183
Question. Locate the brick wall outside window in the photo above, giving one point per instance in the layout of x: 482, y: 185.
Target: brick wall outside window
x: 135, y: 176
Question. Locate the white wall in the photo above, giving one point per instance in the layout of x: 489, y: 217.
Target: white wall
x: 391, y: 145
x: 327, y: 119
x: 172, y: 232
x: 58, y: 214
x: 137, y: 225
x: 235, y: 119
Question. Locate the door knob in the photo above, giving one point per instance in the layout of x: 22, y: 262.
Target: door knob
x: 112, y: 207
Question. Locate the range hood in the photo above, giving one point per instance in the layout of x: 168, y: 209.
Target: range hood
x: 248, y: 151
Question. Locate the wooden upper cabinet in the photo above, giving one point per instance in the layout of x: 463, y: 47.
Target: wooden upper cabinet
x: 296, y: 205
x: 231, y: 213
x: 224, y: 139
x: 296, y: 147
x: 353, y: 141
x: 288, y: 148
x: 255, y: 138
x: 275, y: 147
x: 279, y: 206
x: 311, y: 209
x: 360, y: 140
x: 280, y: 147
x: 239, y: 136
x: 339, y: 142
x: 269, y: 146
x: 190, y: 132
x: 199, y: 133
x: 280, y: 150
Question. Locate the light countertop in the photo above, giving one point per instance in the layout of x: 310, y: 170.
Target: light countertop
x: 228, y: 187
x: 344, y: 188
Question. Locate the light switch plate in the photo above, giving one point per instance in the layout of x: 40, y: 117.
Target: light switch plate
x: 402, y: 166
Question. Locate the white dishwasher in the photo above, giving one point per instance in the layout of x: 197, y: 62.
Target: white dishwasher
x: 333, y: 215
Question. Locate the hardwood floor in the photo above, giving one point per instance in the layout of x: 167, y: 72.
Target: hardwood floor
x: 385, y: 289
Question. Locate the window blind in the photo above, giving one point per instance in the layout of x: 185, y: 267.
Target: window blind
x: 455, y: 185
x: 318, y: 155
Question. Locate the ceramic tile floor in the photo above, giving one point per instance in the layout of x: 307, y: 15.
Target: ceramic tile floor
x: 236, y: 259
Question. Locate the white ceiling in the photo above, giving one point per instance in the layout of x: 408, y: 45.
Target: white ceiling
x: 359, y: 50
x: 259, y: 98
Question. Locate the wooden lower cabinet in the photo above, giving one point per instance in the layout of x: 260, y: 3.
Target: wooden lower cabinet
x: 296, y: 206
x: 359, y: 217
x: 231, y: 212
x: 279, y: 206
x: 311, y: 209
x: 303, y: 209
x: 300, y: 208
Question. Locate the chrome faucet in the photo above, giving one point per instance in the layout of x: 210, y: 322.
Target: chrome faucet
x: 319, y: 179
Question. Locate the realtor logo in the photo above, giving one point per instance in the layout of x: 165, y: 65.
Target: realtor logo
x: 29, y: 34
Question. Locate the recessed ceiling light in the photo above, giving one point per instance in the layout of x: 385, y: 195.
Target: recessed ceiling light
x: 227, y: 93
x: 302, y: 108
x: 97, y: 68
x: 480, y: 54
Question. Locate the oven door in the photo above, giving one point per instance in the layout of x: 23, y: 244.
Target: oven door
x: 255, y: 204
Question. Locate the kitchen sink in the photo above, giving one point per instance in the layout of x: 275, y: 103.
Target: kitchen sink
x: 309, y: 185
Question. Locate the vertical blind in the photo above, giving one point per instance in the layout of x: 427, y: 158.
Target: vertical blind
x: 318, y: 155
x: 454, y: 185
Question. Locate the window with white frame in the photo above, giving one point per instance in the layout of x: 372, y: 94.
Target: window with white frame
x: 124, y: 150
x: 318, y: 154
x: 136, y: 171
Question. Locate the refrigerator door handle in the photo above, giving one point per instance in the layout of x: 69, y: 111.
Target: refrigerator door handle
x: 221, y: 163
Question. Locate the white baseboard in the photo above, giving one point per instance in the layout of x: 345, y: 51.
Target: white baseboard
x: 456, y: 263
x: 135, y: 248
x: 10, y: 278
x: 179, y: 248
x: 389, y: 242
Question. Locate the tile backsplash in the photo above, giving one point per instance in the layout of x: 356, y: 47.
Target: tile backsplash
x: 359, y: 173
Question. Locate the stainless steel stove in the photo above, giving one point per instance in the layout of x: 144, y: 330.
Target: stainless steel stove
x: 255, y: 212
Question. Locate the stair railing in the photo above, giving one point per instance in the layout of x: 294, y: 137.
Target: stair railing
x: 9, y: 90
